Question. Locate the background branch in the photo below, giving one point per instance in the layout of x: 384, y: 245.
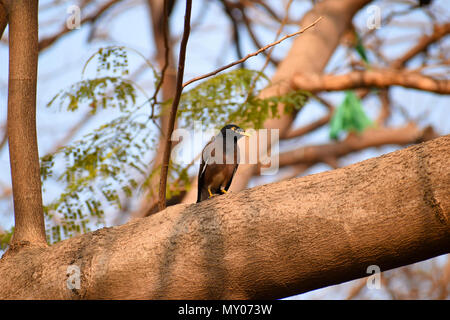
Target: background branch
x: 174, y: 108
x: 375, y: 137
x: 381, y: 78
x: 439, y: 31
x: 48, y: 41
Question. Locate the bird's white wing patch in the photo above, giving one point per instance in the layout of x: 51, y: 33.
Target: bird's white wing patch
x: 204, y: 166
x: 207, y: 154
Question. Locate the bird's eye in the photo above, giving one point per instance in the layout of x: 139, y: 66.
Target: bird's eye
x: 233, y: 128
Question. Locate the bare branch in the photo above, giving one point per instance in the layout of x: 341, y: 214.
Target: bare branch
x: 4, y: 137
x: 423, y: 43
x: 255, y: 40
x: 174, y: 108
x: 380, y: 78
x: 235, y: 27
x: 385, y: 110
x: 294, y: 133
x: 46, y: 42
x: 162, y: 23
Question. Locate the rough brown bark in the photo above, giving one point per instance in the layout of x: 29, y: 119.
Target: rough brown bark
x: 270, y: 241
x: 23, y: 151
x: 381, y: 78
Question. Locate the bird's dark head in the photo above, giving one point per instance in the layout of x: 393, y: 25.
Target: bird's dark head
x: 232, y: 130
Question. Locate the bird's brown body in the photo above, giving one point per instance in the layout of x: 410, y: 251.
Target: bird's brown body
x: 216, y: 177
x: 220, y: 160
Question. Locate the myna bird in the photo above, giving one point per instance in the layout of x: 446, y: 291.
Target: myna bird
x: 220, y: 160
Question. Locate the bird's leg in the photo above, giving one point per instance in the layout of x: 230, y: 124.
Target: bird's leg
x: 223, y: 190
x: 210, y: 193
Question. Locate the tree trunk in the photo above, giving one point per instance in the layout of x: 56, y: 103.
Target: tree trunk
x: 23, y: 150
x: 270, y: 241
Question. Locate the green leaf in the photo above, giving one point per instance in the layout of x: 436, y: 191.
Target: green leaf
x: 349, y: 116
x: 231, y: 97
x: 360, y: 49
x: 5, y: 238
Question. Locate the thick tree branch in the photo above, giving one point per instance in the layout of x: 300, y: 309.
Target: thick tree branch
x: 21, y: 123
x: 381, y: 78
x: 270, y: 241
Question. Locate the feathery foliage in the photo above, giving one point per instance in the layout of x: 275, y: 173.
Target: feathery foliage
x: 108, y: 165
x: 5, y: 238
x: 229, y: 98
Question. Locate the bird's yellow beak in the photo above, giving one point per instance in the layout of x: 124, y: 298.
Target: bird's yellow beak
x: 245, y: 134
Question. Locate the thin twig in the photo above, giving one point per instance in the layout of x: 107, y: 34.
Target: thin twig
x: 235, y: 26
x: 3, y: 140
x: 46, y: 42
x: 280, y: 29
x: 255, y: 40
x: 250, y: 55
x: 269, y: 53
x: 173, y: 111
